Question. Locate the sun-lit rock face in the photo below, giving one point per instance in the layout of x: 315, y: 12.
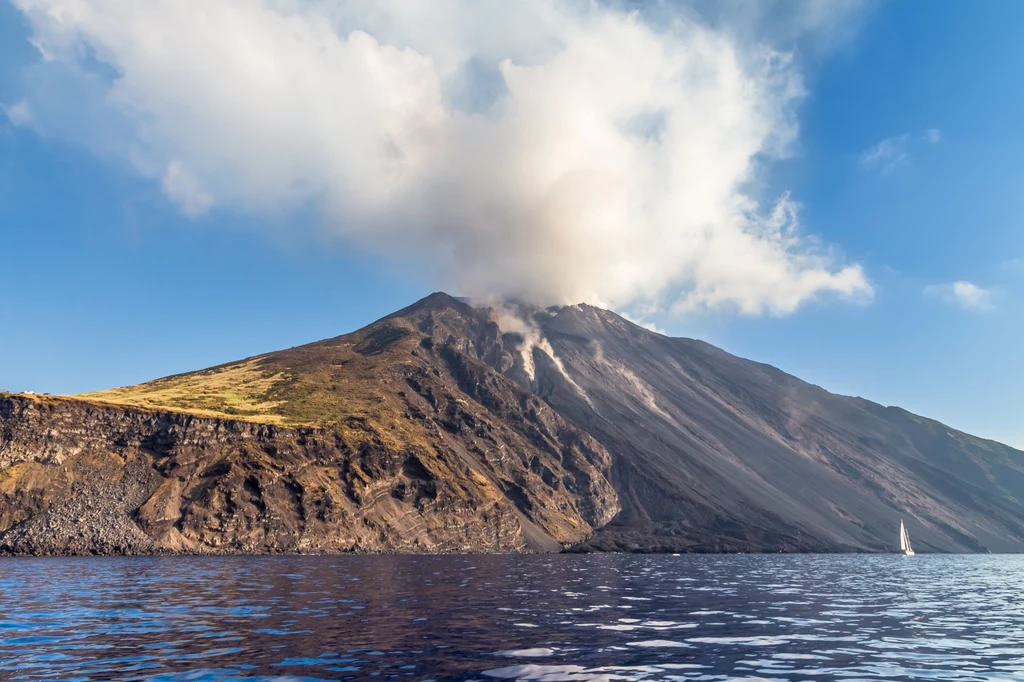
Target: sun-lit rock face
x: 449, y: 427
x: 394, y: 438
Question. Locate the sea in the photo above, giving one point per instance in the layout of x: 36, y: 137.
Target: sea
x: 534, y: 617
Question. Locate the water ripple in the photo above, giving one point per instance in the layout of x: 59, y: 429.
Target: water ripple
x: 549, y: 618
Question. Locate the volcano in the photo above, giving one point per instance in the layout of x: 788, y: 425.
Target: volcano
x: 450, y: 427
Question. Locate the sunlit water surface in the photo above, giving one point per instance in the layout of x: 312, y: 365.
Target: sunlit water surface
x: 597, y: 617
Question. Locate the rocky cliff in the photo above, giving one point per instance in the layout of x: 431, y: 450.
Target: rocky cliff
x: 447, y: 427
x: 389, y: 439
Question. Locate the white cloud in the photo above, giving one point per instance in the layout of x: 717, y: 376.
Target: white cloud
x: 963, y: 294
x: 19, y: 113
x: 1013, y: 265
x: 179, y: 185
x: 887, y: 155
x: 552, y: 150
x: 895, y: 152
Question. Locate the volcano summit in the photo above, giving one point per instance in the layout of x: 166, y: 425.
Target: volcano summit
x: 447, y: 427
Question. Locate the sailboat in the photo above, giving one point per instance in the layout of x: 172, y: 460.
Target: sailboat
x: 905, y: 540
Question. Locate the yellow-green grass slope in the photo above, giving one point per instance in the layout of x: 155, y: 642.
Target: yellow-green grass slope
x: 320, y: 384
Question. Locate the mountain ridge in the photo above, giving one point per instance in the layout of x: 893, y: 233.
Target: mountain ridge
x: 576, y: 428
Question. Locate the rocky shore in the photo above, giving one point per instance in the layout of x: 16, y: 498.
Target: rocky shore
x: 81, y: 478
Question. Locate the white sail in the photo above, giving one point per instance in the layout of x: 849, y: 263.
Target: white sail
x: 905, y: 540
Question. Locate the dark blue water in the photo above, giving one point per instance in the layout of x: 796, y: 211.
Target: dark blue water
x: 605, y: 617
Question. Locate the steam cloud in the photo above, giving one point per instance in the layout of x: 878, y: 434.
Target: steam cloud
x: 557, y: 151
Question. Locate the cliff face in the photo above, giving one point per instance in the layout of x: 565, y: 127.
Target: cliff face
x: 447, y: 427
x: 409, y: 463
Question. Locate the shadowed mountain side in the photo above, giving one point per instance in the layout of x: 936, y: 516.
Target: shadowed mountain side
x: 716, y: 452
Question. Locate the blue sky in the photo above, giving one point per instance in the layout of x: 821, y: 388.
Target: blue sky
x: 907, y: 162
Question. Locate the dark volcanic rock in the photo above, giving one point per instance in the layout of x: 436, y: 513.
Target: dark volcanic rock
x: 446, y: 427
x: 716, y: 453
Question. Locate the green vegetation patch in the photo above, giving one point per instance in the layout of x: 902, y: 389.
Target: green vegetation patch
x: 240, y: 390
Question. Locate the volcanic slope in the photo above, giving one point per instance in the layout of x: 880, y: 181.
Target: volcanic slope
x: 713, y: 452
x: 449, y: 427
x: 393, y: 438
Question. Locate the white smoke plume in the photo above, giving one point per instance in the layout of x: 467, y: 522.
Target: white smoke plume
x: 555, y: 151
x: 513, y: 321
x: 639, y: 388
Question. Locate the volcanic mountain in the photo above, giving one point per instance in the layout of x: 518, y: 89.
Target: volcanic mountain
x: 450, y: 427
